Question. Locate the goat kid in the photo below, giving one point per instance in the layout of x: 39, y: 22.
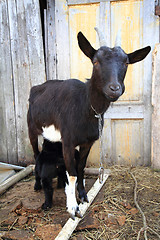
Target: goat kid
x: 49, y: 165
x: 67, y: 109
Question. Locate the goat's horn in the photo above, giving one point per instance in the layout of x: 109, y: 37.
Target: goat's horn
x: 118, y: 39
x: 102, y: 40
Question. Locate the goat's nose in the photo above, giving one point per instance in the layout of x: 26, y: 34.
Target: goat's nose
x: 114, y: 88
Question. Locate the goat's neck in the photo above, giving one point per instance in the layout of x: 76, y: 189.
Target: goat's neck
x: 97, y: 99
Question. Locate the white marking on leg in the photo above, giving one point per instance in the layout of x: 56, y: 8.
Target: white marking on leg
x: 70, y: 193
x: 78, y: 147
x: 84, y: 182
x: 51, y: 134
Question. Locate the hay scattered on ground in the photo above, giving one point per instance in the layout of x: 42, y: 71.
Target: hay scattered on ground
x: 117, y: 214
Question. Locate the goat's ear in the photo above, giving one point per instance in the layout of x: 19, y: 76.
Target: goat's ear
x: 85, y: 46
x: 138, y: 55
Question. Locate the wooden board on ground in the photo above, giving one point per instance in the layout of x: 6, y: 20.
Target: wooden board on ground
x: 71, y: 225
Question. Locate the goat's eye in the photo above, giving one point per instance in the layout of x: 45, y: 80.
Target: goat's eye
x: 95, y: 63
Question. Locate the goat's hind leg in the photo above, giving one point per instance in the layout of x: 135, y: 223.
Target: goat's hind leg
x: 37, y: 185
x: 48, y: 191
x: 34, y: 142
x: 33, y: 135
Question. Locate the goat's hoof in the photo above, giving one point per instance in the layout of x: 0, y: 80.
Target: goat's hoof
x: 78, y: 214
x: 75, y: 212
x: 46, y: 206
x: 84, y: 199
x: 72, y: 216
x: 37, y: 187
x: 83, y: 196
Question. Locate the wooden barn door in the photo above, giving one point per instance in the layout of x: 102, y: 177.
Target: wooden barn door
x: 127, y: 129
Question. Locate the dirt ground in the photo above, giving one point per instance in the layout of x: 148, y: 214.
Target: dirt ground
x: 113, y: 214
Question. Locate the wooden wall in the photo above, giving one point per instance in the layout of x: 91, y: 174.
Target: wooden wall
x: 156, y: 108
x: 21, y: 67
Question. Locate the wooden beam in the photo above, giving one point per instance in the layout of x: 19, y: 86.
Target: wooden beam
x: 94, y: 171
x: 78, y: 2
x: 12, y: 180
x: 71, y: 225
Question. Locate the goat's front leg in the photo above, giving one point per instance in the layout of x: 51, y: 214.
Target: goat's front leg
x: 72, y: 206
x: 84, y: 151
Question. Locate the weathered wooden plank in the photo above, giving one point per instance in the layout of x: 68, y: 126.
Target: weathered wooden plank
x: 28, y: 63
x: 35, y: 54
x: 128, y: 111
x: 78, y: 2
x: 50, y: 43
x: 3, y: 69
x: 150, y: 37
x: 8, y: 144
x: 156, y: 108
x: 12, y: 180
x: 34, y: 42
x: 21, y: 71
x: 62, y: 39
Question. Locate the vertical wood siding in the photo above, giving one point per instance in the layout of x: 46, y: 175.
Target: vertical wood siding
x: 8, y: 140
x: 50, y: 41
x: 156, y: 108
x: 22, y: 66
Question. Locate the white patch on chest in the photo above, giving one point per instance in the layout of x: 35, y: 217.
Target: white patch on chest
x: 51, y: 134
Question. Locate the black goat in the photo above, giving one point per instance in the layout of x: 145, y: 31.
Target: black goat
x: 69, y: 108
x: 50, y: 164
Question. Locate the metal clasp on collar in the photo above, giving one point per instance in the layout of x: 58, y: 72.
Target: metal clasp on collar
x: 101, y: 174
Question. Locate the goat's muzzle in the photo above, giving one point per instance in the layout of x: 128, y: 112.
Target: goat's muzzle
x: 113, y: 92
